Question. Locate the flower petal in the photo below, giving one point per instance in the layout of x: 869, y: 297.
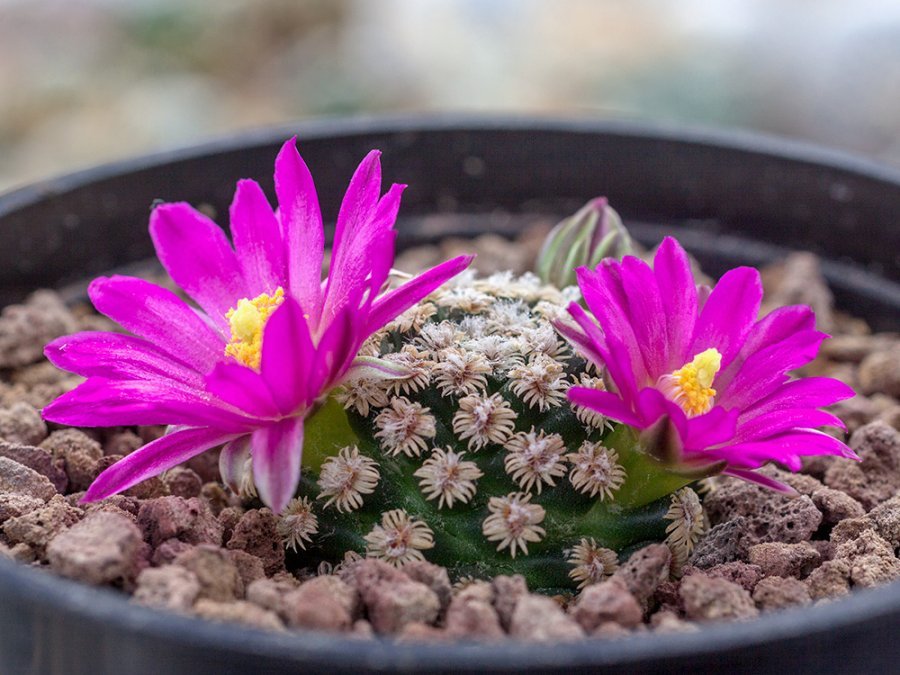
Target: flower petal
x: 807, y: 392
x: 679, y: 299
x: 646, y: 315
x: 197, y: 255
x: 728, y: 314
x: 606, y: 403
x: 779, y: 421
x: 288, y: 356
x: 392, y: 304
x: 100, y: 402
x: 257, y: 240
x: 301, y: 224
x: 233, y: 462
x: 760, y: 479
x: 159, y: 316
x: 118, y: 356
x: 152, y: 459
x: 775, y: 327
x: 243, y: 388
x: 277, y: 451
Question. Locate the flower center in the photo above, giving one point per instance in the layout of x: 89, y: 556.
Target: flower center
x: 247, y: 321
x: 691, y: 385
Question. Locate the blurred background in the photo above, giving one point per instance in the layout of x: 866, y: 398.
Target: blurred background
x: 86, y: 81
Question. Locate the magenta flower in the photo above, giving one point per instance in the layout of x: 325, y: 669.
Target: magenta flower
x: 271, y: 337
x: 698, y: 372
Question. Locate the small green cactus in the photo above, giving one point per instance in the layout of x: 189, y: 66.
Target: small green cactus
x: 473, y: 458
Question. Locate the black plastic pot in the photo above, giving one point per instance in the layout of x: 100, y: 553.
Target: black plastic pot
x: 732, y: 198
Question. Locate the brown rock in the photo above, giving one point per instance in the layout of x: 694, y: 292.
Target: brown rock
x: 367, y: 574
x: 855, y: 348
x: 871, y: 570
x: 433, y: 576
x: 123, y: 443
x: 709, y: 599
x: 394, y: 605
x: 322, y: 603
x: 539, y: 619
x: 784, y: 560
x: 770, y: 516
x: 507, y: 591
x: 22, y: 424
x: 831, y: 579
x: 22, y: 553
x: 257, y: 534
x: 13, y: 504
x: 743, y: 574
x: 645, y: 570
x: 609, y: 601
x: 38, y: 459
x: 166, y: 552
x: 27, y: 327
x: 170, y: 587
x: 270, y: 593
x: 249, y: 566
x: 37, y: 528
x: 669, y: 622
x: 471, y: 617
x: 886, y: 518
x: 183, y: 482
x: 880, y: 372
x: 18, y: 479
x: 215, y: 496
x: 778, y: 593
x: 218, y: 576
x: 175, y: 518
x: 870, y: 558
x: 877, y: 477
x: 836, y: 505
x: 80, y: 455
x: 240, y: 611
x: 855, y: 412
x: 101, y: 549
x: 229, y: 517
x: 724, y: 543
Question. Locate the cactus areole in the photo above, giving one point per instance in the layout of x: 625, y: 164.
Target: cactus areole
x: 492, y: 425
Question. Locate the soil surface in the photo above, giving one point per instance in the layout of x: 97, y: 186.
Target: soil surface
x: 184, y: 543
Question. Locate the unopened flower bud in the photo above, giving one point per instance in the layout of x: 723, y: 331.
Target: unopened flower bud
x: 593, y: 233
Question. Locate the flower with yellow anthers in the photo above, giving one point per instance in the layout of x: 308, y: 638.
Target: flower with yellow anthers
x: 268, y: 341
x: 701, y: 376
x: 246, y: 321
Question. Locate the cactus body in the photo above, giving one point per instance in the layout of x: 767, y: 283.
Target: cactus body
x: 475, y: 459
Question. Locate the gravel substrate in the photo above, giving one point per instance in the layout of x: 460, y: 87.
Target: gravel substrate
x: 182, y: 543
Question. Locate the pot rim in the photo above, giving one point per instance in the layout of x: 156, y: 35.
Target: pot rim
x: 53, y: 594
x: 738, y: 139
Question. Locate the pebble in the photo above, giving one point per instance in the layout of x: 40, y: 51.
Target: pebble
x: 218, y: 576
x: 393, y: 605
x: 170, y: 587
x: 183, y: 482
x: 37, y: 528
x: 25, y: 328
x: 644, y: 571
x: 188, y: 520
x: 537, y: 618
x: 831, y: 579
x: 879, y: 372
x: 784, y: 560
x: 22, y: 423
x: 40, y: 460
x: 609, y: 601
x: 257, y: 533
x: 724, y: 543
x: 886, y: 518
x: 320, y: 604
x: 18, y: 479
x: 472, y: 617
x: 101, y: 549
x: 241, y: 612
x: 80, y: 455
x: 738, y: 572
x: 433, y: 576
x: 507, y: 592
x: 709, y: 599
x: 778, y: 592
x: 877, y: 477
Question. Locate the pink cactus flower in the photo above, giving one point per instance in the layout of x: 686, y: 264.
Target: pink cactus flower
x: 270, y: 337
x: 704, y: 379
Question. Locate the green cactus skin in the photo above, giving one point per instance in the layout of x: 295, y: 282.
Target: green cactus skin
x: 629, y: 510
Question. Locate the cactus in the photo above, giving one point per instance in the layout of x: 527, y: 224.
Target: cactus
x: 473, y: 458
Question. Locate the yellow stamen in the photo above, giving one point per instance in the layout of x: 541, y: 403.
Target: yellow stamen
x: 247, y: 321
x: 691, y: 385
